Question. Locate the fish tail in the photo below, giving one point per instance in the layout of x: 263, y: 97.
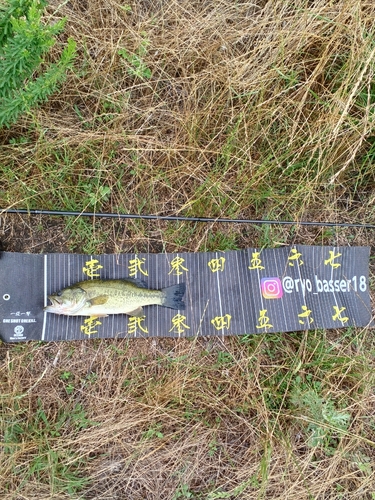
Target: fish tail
x: 173, y: 296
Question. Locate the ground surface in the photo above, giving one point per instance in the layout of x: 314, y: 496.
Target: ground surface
x: 260, y: 110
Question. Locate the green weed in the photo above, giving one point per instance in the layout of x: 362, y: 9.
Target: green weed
x: 326, y: 423
x: 67, y: 377
x: 137, y: 67
x: 32, y: 439
x: 24, y: 43
x: 153, y: 431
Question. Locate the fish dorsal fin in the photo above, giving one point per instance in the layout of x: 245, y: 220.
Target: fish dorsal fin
x: 137, y: 312
x: 135, y: 281
x: 99, y: 300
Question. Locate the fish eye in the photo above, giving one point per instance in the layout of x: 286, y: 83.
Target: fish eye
x: 59, y: 294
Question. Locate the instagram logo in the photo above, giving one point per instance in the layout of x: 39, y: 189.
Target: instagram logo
x: 271, y: 288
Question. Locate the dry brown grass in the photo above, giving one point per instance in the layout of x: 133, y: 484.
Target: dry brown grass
x: 252, y: 110
x: 258, y: 109
x: 211, y: 416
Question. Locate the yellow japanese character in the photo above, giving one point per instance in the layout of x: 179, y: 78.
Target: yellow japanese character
x: 263, y: 320
x: 135, y: 265
x: 337, y: 316
x: 256, y: 262
x: 295, y: 255
x: 305, y: 314
x: 176, y: 266
x: 221, y: 322
x: 89, y: 324
x: 134, y: 322
x: 178, y: 324
x: 217, y: 264
x: 331, y: 259
x: 91, y: 267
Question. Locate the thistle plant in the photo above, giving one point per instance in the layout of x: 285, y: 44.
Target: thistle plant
x: 26, y: 79
x: 326, y: 423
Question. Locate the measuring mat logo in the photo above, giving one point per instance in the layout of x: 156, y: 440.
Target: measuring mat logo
x: 271, y: 288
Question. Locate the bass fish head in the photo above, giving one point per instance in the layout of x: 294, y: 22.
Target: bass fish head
x: 69, y: 301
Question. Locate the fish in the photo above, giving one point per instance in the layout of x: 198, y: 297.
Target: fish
x: 101, y: 298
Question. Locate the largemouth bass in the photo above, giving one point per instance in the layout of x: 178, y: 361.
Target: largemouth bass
x: 122, y: 296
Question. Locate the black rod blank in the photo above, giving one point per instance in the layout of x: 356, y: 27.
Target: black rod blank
x: 64, y: 213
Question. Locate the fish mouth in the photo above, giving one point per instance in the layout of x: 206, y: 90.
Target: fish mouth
x: 61, y: 306
x: 55, y: 300
x: 56, y: 304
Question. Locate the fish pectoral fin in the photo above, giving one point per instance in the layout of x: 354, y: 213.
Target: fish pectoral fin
x: 137, y: 312
x: 99, y: 300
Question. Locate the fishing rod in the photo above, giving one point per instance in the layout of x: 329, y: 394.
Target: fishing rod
x: 183, y: 218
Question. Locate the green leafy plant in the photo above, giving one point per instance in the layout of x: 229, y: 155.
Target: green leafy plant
x: 182, y: 492
x: 153, y: 431
x: 137, y: 66
x: 58, y: 466
x: 26, y: 79
x: 67, y: 378
x: 326, y: 422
